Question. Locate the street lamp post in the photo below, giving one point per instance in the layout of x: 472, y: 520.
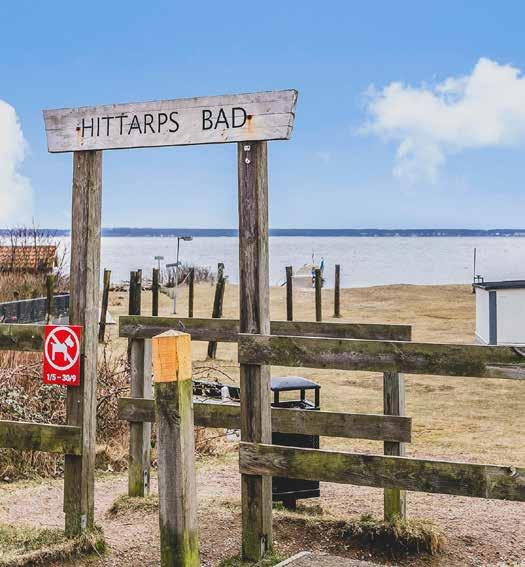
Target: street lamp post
x: 177, y: 264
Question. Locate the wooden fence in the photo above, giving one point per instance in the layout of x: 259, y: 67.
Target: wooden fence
x: 23, y: 436
x: 309, y: 344
x: 394, y: 429
x: 476, y: 361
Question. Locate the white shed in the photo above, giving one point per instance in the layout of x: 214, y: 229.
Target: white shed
x: 500, y: 312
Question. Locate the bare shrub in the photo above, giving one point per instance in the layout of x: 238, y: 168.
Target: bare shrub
x: 23, y: 397
x: 202, y: 274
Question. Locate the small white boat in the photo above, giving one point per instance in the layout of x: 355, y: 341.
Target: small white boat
x: 304, y: 277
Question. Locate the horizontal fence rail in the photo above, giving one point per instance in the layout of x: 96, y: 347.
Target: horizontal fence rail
x: 227, y: 330
x: 26, y: 436
x: 28, y: 338
x: 418, y: 475
x: 328, y: 424
x: 384, y: 356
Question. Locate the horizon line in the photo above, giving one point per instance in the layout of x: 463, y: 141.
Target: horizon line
x: 174, y: 231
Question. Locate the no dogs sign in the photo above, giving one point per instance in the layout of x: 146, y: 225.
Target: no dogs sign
x: 62, y: 355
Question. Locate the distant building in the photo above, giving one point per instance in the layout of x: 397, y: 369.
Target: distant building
x: 500, y: 308
x: 34, y: 259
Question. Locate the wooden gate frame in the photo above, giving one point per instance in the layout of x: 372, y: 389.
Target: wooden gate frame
x: 249, y: 120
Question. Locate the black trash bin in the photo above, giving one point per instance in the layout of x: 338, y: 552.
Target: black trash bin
x: 289, y: 490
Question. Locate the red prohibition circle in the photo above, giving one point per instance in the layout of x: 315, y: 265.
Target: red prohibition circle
x: 64, y: 342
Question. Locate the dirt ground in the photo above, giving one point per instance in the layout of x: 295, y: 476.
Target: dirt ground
x: 459, y: 419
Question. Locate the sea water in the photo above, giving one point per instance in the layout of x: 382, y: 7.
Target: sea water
x: 365, y: 261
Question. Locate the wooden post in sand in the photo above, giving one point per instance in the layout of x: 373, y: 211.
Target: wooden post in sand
x: 141, y: 387
x: 394, y: 404
x: 81, y: 404
x: 217, y: 306
x: 179, y: 539
x: 191, y: 291
x: 254, y: 307
x: 337, y: 292
x: 104, y: 306
x: 318, y: 286
x: 289, y: 294
x: 155, y: 292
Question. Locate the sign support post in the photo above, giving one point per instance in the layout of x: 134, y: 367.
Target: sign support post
x: 254, y: 302
x: 79, y: 473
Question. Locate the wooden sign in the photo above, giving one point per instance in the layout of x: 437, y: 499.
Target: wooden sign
x: 62, y: 355
x: 180, y: 122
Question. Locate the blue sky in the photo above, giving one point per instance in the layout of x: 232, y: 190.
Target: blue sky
x: 453, y: 166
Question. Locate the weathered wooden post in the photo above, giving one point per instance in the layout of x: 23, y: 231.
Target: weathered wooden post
x: 289, y: 294
x: 217, y: 306
x: 155, y: 292
x: 337, y: 292
x: 318, y: 287
x: 394, y: 404
x: 191, y: 291
x: 50, y: 297
x: 141, y: 387
x: 254, y: 304
x: 179, y: 539
x: 104, y: 306
x: 79, y: 471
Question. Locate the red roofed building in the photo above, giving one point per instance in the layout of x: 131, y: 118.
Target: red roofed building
x: 35, y: 259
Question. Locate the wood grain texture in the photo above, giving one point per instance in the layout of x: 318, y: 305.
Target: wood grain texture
x: 26, y: 436
x: 227, y: 330
x: 141, y: 387
x: 218, y: 302
x: 140, y: 433
x: 419, y: 475
x: 337, y: 292
x: 81, y: 405
x: 328, y: 424
x: 254, y: 309
x: 104, y: 306
x: 318, y: 280
x: 179, y: 541
x: 171, y: 356
x: 155, y: 289
x: 289, y: 294
x: 179, y: 122
x: 384, y: 356
x: 394, y: 500
x: 191, y: 292
x: 28, y: 338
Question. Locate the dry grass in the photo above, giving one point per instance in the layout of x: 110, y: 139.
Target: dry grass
x: 390, y: 539
x: 22, y: 546
x: 17, y: 285
x: 399, y: 536
x: 124, y: 505
x: 271, y: 559
x: 457, y: 418
x: 23, y: 397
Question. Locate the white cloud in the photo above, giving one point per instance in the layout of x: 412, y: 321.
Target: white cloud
x: 481, y: 110
x: 15, y: 190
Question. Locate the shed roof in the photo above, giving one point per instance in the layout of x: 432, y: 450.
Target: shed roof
x: 510, y: 284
